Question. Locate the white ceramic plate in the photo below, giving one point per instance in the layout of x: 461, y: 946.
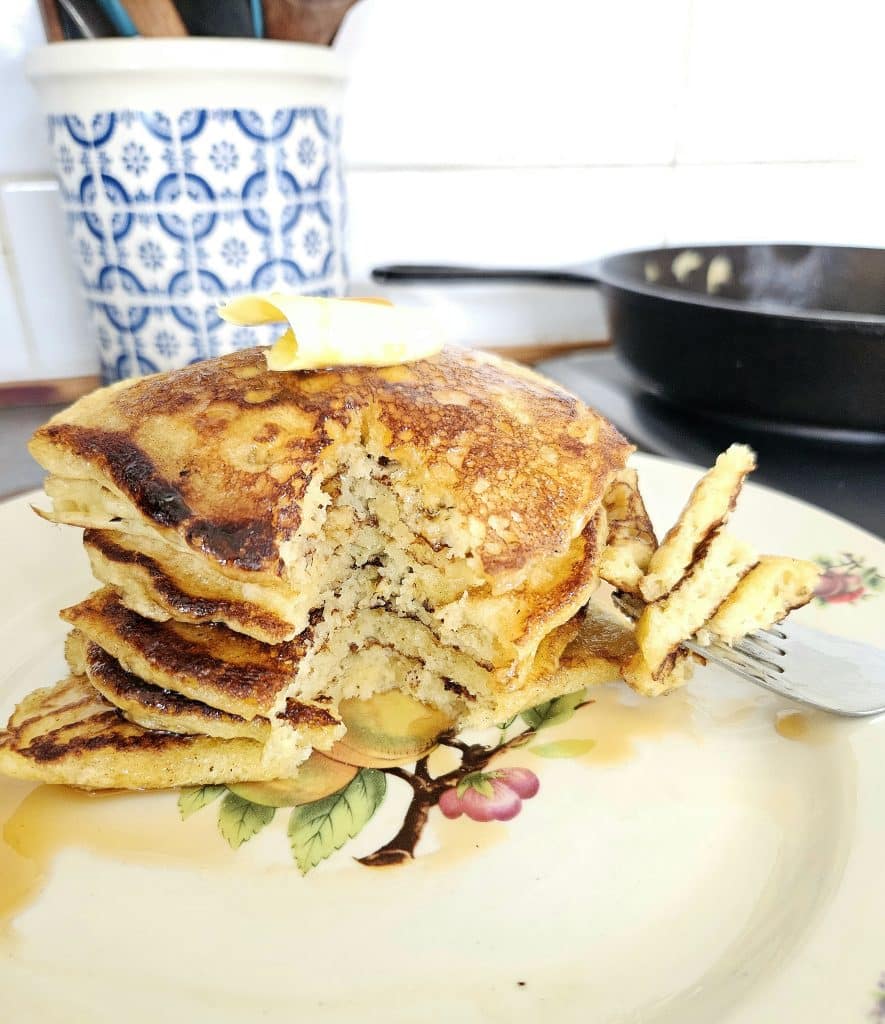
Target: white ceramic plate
x: 694, y: 864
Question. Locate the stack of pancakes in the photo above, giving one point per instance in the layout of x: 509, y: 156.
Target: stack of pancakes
x: 273, y: 544
x: 276, y: 546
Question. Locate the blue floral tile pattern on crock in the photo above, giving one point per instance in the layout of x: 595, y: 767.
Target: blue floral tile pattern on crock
x: 170, y: 211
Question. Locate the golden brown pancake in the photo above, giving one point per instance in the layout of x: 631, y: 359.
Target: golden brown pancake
x: 718, y: 568
x: 69, y: 734
x: 674, y: 671
x: 219, y: 456
x: 282, y: 540
x: 210, y: 680
x: 766, y: 595
x: 209, y: 664
x: 130, y: 564
x: 155, y: 708
x: 461, y: 490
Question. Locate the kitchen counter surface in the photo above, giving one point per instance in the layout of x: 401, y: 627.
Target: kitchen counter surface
x: 18, y: 471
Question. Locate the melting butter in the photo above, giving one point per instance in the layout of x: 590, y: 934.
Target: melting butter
x: 322, y: 333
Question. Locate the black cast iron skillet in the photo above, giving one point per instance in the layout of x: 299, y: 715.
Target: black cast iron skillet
x: 786, y: 333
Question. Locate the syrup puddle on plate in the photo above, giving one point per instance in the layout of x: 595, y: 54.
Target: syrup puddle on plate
x: 618, y: 722
x: 616, y: 727
x: 37, y: 824
x: 813, y: 728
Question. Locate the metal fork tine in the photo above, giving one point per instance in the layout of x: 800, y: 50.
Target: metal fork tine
x: 771, y: 631
x: 764, y: 659
x: 753, y: 643
x: 730, y: 660
x: 790, y: 662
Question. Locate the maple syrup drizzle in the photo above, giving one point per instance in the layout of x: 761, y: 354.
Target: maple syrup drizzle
x: 37, y: 823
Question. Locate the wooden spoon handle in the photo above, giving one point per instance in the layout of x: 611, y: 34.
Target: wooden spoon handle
x: 304, y: 21
x: 155, y: 17
x: 51, y: 21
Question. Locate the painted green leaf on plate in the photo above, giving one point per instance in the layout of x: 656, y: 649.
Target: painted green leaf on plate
x: 563, y: 748
x: 239, y: 820
x: 554, y: 712
x: 193, y: 798
x: 317, y: 830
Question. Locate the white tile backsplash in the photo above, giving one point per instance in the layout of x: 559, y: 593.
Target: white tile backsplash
x: 509, y: 132
x: 460, y: 83
x: 780, y: 80
x: 23, y: 137
x: 840, y: 204
x: 15, y: 356
x: 51, y: 306
x: 529, y: 217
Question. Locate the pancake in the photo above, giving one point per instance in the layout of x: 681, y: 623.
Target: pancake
x: 156, y: 708
x: 674, y: 671
x: 708, y: 508
x: 209, y: 664
x: 69, y: 734
x: 631, y: 536
x: 211, y: 680
x: 766, y: 595
x: 465, y: 486
x: 718, y: 568
x: 131, y: 564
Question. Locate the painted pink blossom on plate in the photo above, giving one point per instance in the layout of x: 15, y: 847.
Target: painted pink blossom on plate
x: 846, y: 579
x: 490, y: 796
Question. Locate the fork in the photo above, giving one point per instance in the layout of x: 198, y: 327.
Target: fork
x: 827, y: 672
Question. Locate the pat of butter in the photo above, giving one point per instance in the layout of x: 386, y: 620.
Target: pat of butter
x: 337, y: 332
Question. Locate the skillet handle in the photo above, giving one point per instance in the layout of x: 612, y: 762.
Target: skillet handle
x: 413, y: 273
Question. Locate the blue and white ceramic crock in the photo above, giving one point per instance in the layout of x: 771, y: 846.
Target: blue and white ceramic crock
x: 193, y: 170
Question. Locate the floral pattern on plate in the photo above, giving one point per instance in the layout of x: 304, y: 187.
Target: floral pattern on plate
x: 847, y: 578
x: 318, y: 829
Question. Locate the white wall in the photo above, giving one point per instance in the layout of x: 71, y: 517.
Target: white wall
x: 509, y: 131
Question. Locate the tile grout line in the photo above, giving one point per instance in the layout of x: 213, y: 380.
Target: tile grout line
x: 47, y: 179
x: 366, y: 168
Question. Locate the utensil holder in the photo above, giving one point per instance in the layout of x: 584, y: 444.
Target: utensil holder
x: 191, y: 171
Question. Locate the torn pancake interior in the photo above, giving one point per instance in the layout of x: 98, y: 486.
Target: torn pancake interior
x: 766, y: 595
x: 707, y: 510
x: 631, y: 539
